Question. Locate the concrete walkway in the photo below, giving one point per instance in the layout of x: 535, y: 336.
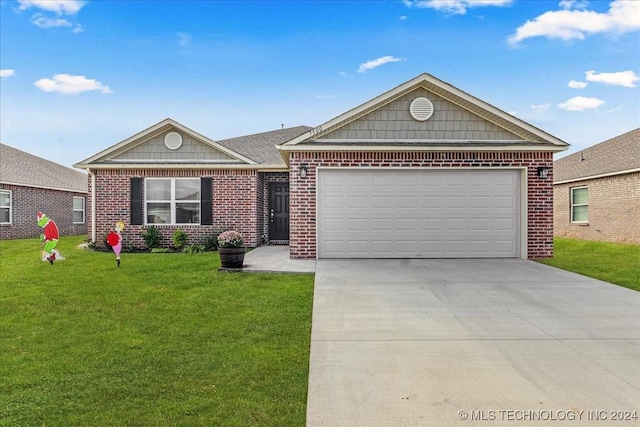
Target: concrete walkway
x: 275, y: 259
x: 470, y: 343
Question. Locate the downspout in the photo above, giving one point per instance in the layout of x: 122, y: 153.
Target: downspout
x: 93, y: 205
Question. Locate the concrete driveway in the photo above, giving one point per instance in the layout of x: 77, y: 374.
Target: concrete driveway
x: 471, y: 343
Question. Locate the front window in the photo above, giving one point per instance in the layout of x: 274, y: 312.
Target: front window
x: 172, y: 200
x: 5, y: 207
x: 78, y: 210
x: 580, y: 204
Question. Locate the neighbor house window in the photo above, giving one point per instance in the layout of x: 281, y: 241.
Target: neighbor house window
x: 5, y: 207
x: 78, y: 210
x: 172, y: 200
x: 579, y: 204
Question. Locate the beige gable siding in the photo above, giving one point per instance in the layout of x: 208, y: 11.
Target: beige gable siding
x: 449, y: 122
x: 154, y: 149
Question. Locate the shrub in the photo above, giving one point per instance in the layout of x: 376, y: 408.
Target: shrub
x: 179, y: 239
x: 210, y: 242
x: 151, y: 237
x: 193, y: 249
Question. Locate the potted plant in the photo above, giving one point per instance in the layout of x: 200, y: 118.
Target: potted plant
x: 231, y: 249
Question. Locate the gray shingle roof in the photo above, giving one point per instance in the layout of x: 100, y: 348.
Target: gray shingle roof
x: 260, y: 147
x: 613, y: 155
x: 18, y: 167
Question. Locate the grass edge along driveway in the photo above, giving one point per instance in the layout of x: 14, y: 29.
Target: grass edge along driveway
x: 163, y: 340
x: 611, y: 262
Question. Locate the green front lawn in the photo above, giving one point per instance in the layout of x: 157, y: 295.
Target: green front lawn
x: 163, y: 340
x: 611, y: 262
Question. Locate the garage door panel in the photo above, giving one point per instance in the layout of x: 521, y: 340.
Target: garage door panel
x: 505, y: 224
x: 480, y: 224
x: 407, y: 224
x: 378, y: 201
x: 418, y: 213
x: 357, y: 224
x: 504, y: 202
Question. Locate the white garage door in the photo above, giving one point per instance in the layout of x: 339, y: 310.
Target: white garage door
x: 418, y: 213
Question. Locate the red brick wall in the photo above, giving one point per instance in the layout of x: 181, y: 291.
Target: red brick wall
x: 234, y: 199
x: 302, y: 242
x: 614, y: 209
x: 27, y: 201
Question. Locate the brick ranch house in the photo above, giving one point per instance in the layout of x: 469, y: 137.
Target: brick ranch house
x: 597, y: 191
x: 423, y: 170
x: 29, y: 184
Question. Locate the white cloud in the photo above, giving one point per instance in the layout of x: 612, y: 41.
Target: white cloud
x: 67, y: 84
x: 6, y: 73
x: 54, y: 10
x: 621, y: 78
x: 623, y: 16
x: 59, y: 7
x: 370, y: 65
x: 574, y: 84
x: 574, y: 4
x: 454, y: 7
x: 540, y: 108
x: 579, y: 103
x: 44, y: 22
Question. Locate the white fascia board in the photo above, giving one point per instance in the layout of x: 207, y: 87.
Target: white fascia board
x: 380, y: 99
x: 408, y: 148
x: 175, y: 166
x: 602, y: 175
x: 215, y: 145
x: 391, y: 95
x: 150, y: 131
x: 496, y: 111
x: 126, y: 142
x: 44, y: 187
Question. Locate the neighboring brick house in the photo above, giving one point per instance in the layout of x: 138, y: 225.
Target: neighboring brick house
x: 424, y: 170
x: 29, y: 184
x: 597, y: 191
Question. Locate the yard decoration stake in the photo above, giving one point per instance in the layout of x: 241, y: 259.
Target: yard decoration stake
x: 114, y: 239
x: 49, y: 238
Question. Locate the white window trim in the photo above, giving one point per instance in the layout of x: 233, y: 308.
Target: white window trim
x: 172, y: 202
x: 10, y: 206
x: 83, y: 210
x: 573, y: 205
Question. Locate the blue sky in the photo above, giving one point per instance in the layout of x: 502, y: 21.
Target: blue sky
x: 80, y: 76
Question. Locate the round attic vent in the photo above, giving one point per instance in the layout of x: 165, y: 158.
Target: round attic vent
x: 421, y: 109
x: 173, y: 140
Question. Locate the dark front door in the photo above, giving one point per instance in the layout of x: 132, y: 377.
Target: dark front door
x: 279, y: 211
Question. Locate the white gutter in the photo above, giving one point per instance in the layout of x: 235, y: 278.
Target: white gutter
x: 22, y: 184
x: 422, y: 148
x: 602, y: 175
x: 180, y: 166
x: 93, y: 205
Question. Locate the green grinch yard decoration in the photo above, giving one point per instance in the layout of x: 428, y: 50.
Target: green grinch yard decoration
x: 49, y: 238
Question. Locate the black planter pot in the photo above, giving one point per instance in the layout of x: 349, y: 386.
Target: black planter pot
x: 231, y: 257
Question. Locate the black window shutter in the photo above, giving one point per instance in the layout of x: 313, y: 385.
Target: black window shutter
x: 206, y: 214
x: 136, y: 201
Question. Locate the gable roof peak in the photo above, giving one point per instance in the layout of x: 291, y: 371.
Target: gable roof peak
x: 161, y: 126
x: 446, y: 91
